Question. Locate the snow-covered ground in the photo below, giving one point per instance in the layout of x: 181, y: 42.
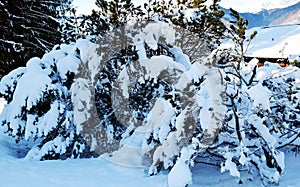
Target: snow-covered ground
x: 16, y: 172
x: 276, y: 42
x: 72, y: 173
x: 204, y: 175
x: 100, y: 172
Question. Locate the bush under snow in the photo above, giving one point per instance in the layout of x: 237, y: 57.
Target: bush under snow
x: 173, y: 113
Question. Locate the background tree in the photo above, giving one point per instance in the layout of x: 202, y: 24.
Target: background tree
x: 28, y: 29
x: 69, y: 26
x: 118, y: 12
x: 204, y: 21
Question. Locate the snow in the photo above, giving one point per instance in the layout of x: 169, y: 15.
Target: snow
x: 156, y: 31
x: 260, y: 100
x: 67, y: 64
x: 100, y: 172
x: 263, y: 130
x: 180, y: 175
x: 24, y: 97
x: 256, y: 5
x: 81, y: 88
x: 110, y: 169
x: 73, y: 173
x: 84, y: 7
x: 127, y: 156
x: 156, y: 64
x: 49, y: 120
x: 2, y: 103
x: 181, y: 57
x: 152, y: 34
x: 57, y: 145
x: 158, y: 119
x: 276, y: 42
x: 133, y: 148
x: 230, y: 165
x: 210, y: 176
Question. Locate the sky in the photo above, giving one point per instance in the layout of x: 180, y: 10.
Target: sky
x: 256, y: 5
x: 85, y: 6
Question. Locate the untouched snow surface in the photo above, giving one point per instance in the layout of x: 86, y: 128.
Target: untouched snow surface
x: 276, y: 42
x: 100, y: 172
x: 72, y: 173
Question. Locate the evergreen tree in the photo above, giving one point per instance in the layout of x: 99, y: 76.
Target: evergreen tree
x: 28, y: 29
x: 40, y: 120
x: 110, y: 15
x: 237, y: 33
x: 195, y: 16
x: 93, y: 25
x: 69, y: 26
x: 118, y: 12
x: 138, y: 85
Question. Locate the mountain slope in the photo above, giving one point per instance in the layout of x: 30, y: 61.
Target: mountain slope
x: 292, y: 17
x: 276, y: 42
x: 255, y: 6
x: 288, y: 15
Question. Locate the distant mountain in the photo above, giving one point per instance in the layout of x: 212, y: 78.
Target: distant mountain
x: 275, y: 4
x: 255, y: 6
x: 279, y: 16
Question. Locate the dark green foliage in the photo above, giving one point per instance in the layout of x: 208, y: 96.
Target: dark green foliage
x: 118, y: 11
x: 69, y: 27
x: 237, y: 33
x: 111, y: 72
x: 28, y: 29
x: 295, y: 63
x: 204, y: 22
x: 111, y: 14
x: 93, y: 24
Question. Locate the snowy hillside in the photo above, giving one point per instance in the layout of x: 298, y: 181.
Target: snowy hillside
x: 278, y: 16
x: 276, y: 42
